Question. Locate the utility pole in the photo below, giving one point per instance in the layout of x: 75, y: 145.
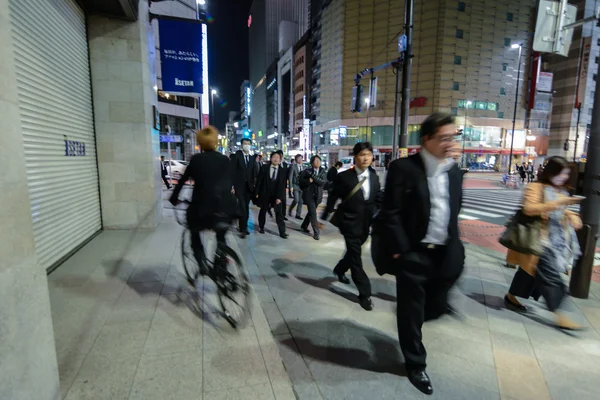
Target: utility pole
x: 395, y: 135
x: 406, y: 73
x: 590, y: 208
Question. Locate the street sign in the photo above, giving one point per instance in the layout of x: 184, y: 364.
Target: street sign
x: 550, y: 35
x: 171, y: 138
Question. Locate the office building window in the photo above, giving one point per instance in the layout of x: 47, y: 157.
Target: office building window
x: 504, y: 66
x: 457, y: 60
x: 462, y: 6
x: 459, y: 33
x: 455, y: 86
x: 507, y: 42
x: 500, y: 114
x: 509, y: 17
x: 454, y: 111
x: 502, y: 91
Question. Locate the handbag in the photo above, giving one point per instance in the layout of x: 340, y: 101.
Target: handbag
x: 336, y: 219
x: 523, y: 234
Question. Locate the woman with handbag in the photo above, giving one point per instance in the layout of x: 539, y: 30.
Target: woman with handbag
x: 359, y: 190
x: 540, y: 274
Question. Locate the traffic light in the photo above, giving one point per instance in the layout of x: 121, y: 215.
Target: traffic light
x: 566, y: 145
x: 246, y: 134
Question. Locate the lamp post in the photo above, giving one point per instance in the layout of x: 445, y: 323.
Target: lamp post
x: 368, y: 103
x: 467, y: 104
x: 213, y: 93
x: 512, y: 139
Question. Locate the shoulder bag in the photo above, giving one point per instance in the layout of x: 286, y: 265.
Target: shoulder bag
x: 336, y: 218
x: 523, y: 234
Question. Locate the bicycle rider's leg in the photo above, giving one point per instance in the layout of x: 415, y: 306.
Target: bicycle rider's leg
x: 197, y: 247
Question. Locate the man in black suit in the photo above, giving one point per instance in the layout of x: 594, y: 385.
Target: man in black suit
x: 270, y: 193
x: 419, y: 221
x: 312, y: 181
x: 359, y: 189
x: 212, y: 203
x: 163, y: 172
x: 332, y: 174
x: 245, y: 174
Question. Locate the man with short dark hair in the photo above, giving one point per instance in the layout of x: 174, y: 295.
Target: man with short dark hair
x: 419, y: 224
x: 359, y: 189
x: 332, y: 174
x: 163, y: 172
x: 270, y: 193
x: 245, y: 174
x: 295, y: 172
x: 312, y: 181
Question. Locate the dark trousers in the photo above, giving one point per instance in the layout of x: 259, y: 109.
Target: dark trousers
x: 547, y: 283
x: 262, y: 216
x: 297, y: 202
x: 244, y: 197
x: 353, y: 261
x: 311, y: 217
x: 422, y: 294
x: 198, y: 248
x: 166, y: 181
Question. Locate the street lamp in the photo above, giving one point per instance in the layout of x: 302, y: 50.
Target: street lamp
x: 201, y: 2
x: 512, y: 139
x: 467, y: 104
x: 213, y: 93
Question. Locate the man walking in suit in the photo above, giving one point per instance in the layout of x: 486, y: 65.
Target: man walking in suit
x: 244, y: 182
x: 419, y: 219
x: 270, y: 193
x: 359, y: 189
x: 163, y: 172
x: 295, y: 172
x: 311, y: 182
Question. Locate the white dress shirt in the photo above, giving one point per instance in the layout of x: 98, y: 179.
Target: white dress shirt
x: 439, y: 196
x: 366, y: 186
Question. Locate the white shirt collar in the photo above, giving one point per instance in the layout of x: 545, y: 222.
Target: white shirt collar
x: 434, y: 165
x: 360, y: 172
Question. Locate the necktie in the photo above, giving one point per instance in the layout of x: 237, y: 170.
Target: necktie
x: 274, y: 173
x: 246, y: 160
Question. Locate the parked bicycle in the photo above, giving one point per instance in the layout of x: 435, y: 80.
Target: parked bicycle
x: 225, y: 270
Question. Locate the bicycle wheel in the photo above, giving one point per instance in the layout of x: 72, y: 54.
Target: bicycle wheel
x: 233, y: 287
x: 190, y: 265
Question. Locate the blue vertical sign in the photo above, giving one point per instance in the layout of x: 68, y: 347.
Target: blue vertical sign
x: 181, y: 56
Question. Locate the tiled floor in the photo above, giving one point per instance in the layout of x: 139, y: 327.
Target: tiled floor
x: 127, y: 326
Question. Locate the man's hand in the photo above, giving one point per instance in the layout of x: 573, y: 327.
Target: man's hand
x: 277, y: 201
x: 396, y: 256
x: 310, y: 180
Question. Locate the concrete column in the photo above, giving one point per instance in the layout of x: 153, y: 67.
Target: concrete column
x: 28, y: 366
x: 123, y: 64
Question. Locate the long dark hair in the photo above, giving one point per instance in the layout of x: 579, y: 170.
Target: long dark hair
x: 554, y: 167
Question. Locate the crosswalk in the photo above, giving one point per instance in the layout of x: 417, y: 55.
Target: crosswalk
x: 492, y: 204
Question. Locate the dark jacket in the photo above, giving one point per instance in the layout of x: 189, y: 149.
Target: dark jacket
x: 211, y: 172
x: 163, y: 168
x: 294, y: 176
x: 312, y: 191
x: 404, y: 217
x: 331, y: 175
x: 269, y: 191
x: 244, y: 177
x: 357, y: 213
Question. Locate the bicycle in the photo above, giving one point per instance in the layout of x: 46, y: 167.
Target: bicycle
x: 225, y: 270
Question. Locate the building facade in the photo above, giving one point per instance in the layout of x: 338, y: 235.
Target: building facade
x: 463, y: 64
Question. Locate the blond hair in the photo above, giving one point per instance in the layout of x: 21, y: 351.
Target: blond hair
x: 208, y: 138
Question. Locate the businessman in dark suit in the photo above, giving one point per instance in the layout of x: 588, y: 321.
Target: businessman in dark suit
x: 359, y: 189
x: 163, y: 172
x: 270, y: 193
x: 312, y: 182
x: 419, y: 219
x: 245, y: 173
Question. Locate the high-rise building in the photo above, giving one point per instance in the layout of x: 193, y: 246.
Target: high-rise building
x: 245, y: 104
x: 463, y: 63
x: 265, y: 48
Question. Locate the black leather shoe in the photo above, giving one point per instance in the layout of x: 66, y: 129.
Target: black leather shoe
x: 420, y: 380
x: 261, y: 231
x: 305, y: 230
x: 343, y: 278
x: 316, y: 237
x: 514, y: 306
x: 298, y: 217
x: 365, y: 302
x: 284, y: 236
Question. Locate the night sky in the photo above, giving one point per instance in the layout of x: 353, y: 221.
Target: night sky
x: 227, y: 54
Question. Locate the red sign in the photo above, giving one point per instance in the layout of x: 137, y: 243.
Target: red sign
x: 249, y: 20
x: 418, y: 102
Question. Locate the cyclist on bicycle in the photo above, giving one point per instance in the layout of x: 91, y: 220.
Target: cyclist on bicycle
x: 213, y: 206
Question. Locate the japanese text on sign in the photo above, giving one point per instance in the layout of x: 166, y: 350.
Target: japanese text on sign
x: 74, y: 149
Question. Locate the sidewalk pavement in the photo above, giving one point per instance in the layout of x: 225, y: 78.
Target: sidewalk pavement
x: 126, y: 327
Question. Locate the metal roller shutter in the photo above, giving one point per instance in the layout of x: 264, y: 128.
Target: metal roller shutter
x: 55, y: 101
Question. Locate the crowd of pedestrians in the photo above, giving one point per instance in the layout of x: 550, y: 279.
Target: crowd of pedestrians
x: 415, y: 219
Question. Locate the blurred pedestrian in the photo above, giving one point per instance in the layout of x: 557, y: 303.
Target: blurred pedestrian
x: 163, y: 172
x: 244, y: 182
x: 358, y: 188
x: 270, y: 193
x: 295, y: 172
x: 312, y: 181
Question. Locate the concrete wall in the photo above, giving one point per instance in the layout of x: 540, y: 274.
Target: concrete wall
x: 28, y: 367
x: 123, y: 62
